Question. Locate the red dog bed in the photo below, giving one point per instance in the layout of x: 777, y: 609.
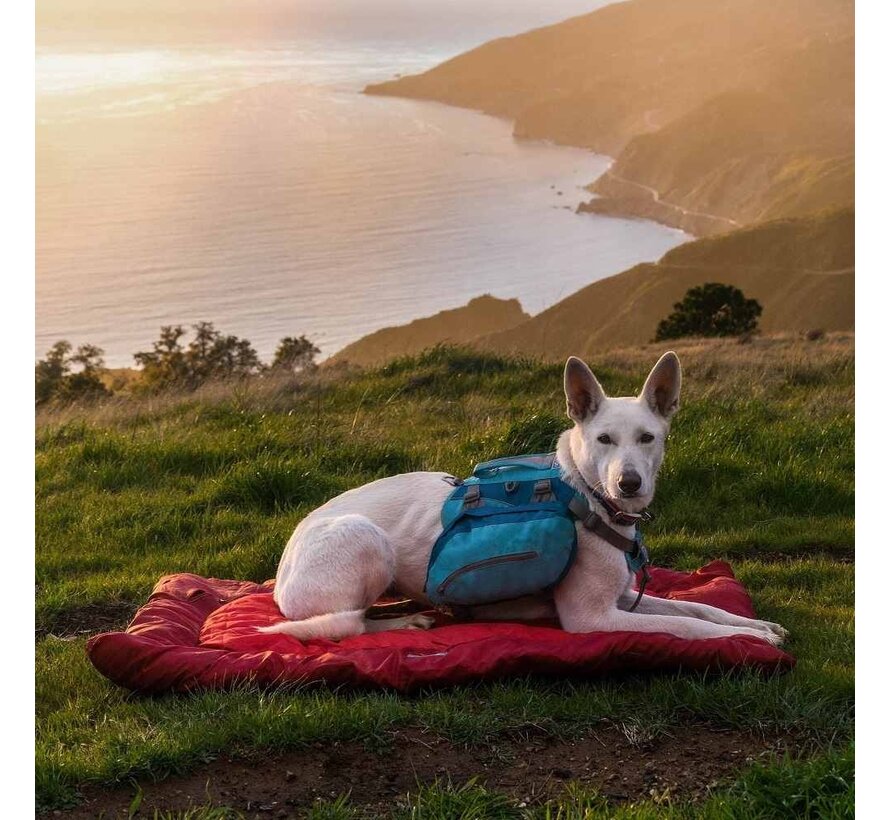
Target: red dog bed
x: 199, y: 633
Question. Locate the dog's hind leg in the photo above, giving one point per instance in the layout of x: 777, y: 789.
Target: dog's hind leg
x: 416, y: 621
x: 333, y: 570
x: 336, y: 625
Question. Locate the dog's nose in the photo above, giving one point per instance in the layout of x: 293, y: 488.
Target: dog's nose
x: 629, y: 483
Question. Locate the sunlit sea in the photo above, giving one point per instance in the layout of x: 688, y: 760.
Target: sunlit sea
x: 242, y: 178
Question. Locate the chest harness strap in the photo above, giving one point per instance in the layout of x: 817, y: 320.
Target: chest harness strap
x: 636, y: 553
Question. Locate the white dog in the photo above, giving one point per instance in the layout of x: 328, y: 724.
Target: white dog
x: 343, y: 556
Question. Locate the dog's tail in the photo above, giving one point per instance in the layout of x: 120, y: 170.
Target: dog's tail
x: 333, y: 626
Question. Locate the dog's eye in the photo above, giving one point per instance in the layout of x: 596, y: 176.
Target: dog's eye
x: 604, y: 439
x: 646, y: 438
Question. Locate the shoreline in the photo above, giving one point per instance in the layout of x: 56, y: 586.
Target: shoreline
x: 616, y: 198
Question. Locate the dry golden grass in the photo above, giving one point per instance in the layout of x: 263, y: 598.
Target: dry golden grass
x: 713, y: 368
x: 757, y: 366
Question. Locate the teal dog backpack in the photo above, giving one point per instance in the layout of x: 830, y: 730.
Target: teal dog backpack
x: 509, y: 531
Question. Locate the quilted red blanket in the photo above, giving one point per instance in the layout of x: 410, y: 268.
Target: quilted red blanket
x: 200, y: 633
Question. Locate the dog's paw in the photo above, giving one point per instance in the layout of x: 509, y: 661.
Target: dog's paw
x: 778, y: 630
x: 775, y: 635
x: 420, y: 621
x: 771, y: 631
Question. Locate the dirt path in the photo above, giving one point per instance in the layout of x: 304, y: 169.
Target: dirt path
x: 622, y: 764
x: 778, y: 269
x: 656, y: 197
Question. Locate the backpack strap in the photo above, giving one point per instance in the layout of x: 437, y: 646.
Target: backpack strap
x: 591, y: 520
x: 635, y: 552
x: 538, y: 461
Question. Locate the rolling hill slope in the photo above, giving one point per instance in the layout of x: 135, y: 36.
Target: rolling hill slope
x: 800, y: 270
x: 456, y: 326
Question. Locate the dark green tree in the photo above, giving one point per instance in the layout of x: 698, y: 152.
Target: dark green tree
x: 294, y: 354
x: 89, y: 358
x: 209, y: 355
x: 712, y: 309
x: 165, y: 364
x: 55, y: 378
x: 246, y: 358
x: 51, y: 371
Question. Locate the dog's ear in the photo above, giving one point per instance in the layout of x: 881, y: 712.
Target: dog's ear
x: 583, y: 392
x: 662, y: 388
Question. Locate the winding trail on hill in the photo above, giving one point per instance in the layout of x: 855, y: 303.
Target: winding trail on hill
x: 777, y: 268
x: 656, y: 197
x: 836, y: 272
x: 813, y: 271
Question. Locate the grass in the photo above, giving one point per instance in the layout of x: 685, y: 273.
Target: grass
x: 759, y: 470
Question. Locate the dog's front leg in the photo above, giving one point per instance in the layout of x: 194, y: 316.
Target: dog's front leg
x: 618, y: 620
x: 587, y: 601
x: 651, y: 605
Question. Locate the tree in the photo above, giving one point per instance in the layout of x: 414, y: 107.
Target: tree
x: 89, y: 357
x: 165, y: 363
x: 50, y: 372
x: 82, y: 386
x: 54, y: 378
x: 295, y: 354
x: 209, y: 355
x: 712, y: 309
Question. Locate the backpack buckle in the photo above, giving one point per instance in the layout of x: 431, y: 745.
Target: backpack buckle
x: 543, y: 490
x: 472, y: 496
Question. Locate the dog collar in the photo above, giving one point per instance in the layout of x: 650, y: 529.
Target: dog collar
x: 616, y: 515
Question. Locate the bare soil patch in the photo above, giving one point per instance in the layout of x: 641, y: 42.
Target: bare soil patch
x: 622, y: 765
x: 89, y: 619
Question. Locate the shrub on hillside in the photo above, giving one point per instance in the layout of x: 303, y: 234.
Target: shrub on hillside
x: 209, y: 355
x: 55, y: 377
x: 295, y: 354
x: 712, y: 309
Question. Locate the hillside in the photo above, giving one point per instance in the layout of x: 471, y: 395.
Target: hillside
x: 747, y: 156
x: 736, y: 109
x: 459, y: 325
x: 758, y: 472
x: 800, y: 270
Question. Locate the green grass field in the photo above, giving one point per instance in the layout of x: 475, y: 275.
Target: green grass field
x: 759, y: 470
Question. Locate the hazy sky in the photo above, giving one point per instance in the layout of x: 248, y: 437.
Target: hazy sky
x: 171, y: 21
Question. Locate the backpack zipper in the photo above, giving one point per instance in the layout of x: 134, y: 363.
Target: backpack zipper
x: 500, y: 559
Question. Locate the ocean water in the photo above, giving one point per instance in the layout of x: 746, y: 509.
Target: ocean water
x: 228, y: 169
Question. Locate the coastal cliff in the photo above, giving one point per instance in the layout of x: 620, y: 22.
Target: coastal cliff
x: 800, y: 270
x: 730, y: 119
x: 719, y: 112
x: 485, y: 314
